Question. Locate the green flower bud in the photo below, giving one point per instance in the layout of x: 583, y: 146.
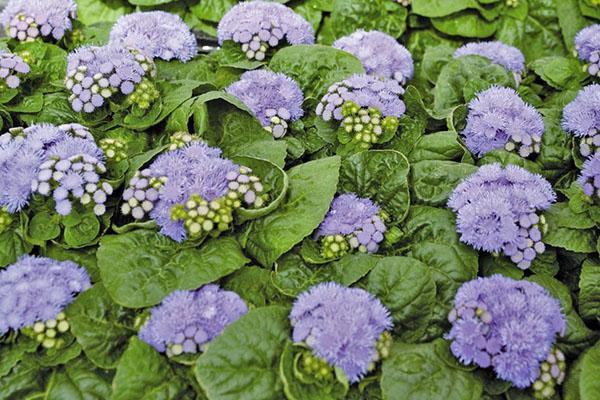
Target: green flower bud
x: 114, y: 149
x: 5, y: 220
x: 49, y: 333
x: 317, y: 367
x: 144, y: 94
x: 181, y: 139
x: 552, y: 374
x: 201, y: 217
x: 334, y: 246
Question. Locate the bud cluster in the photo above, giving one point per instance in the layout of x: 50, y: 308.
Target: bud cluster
x: 12, y: 68
x: 114, y: 149
x: 48, y: 332
x: 142, y: 192
x: 181, y: 139
x: 404, y: 3
x: 77, y: 131
x: 529, y: 242
x: 366, y: 124
x: 144, y: 95
x: 5, y: 219
x: 75, y: 177
x: 383, y: 347
x: 279, y: 121
x: 512, y: 3
x: 316, y: 367
x: 27, y: 20
x: 191, y: 340
x: 588, y: 145
x: 552, y: 374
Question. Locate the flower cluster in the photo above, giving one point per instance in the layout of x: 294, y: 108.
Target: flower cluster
x: 63, y: 162
x: 404, y: 3
x: 587, y: 45
x: 95, y: 74
x: 12, y: 68
x: 157, y: 34
x: 368, y: 107
x: 191, y: 191
x: 262, y: 25
x: 343, y: 326
x: 497, y: 211
x: 186, y: 321
x: 581, y: 117
x: 351, y: 223
x: 497, y: 52
x: 33, y: 294
x: 27, y: 20
x: 274, y: 98
x: 508, y: 325
x: 590, y: 176
x: 381, y: 55
x: 498, y: 118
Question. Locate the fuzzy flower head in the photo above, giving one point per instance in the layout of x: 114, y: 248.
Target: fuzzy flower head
x: 381, y: 55
x: 368, y: 107
x: 505, y: 324
x: 351, y: 223
x: 94, y: 74
x: 587, y: 45
x: 37, y: 289
x: 26, y: 20
x: 497, y: 52
x: 499, y: 119
x: 498, y: 211
x: 191, y: 191
x: 158, y: 34
x: 274, y: 98
x: 341, y: 325
x: 590, y: 176
x: 12, y: 69
x: 186, y: 321
x: 581, y: 117
x: 262, y: 25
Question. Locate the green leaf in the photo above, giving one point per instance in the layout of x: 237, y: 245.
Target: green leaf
x: 433, y: 181
x: 12, y: 354
x: 254, y: 285
x: 140, y: 268
x: 142, y: 373
x: 312, y: 186
x: 83, y: 230
x: 242, y: 363
x: 569, y: 230
x: 91, y: 11
x: 12, y: 245
x: 315, y: 67
x: 441, y: 8
x: 406, y: 287
x: 589, y: 290
x: 559, y: 72
x: 382, y: 176
x: 465, y: 23
x: 79, y: 380
x: 589, y: 385
x: 101, y: 327
x: 23, y: 381
x: 443, y: 146
x: 43, y: 226
x: 427, y: 371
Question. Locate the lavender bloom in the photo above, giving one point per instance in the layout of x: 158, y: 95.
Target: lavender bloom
x: 341, y: 325
x: 18, y: 167
x: 186, y: 321
x: 587, y: 45
x: 95, y: 74
x: 498, y: 118
x: 497, y: 52
x: 381, y: 55
x: 158, y: 34
x: 351, y: 223
x: 12, y: 67
x: 274, y: 98
x: 190, y: 191
x: 590, y: 176
x: 37, y: 289
x: 505, y: 324
x: 581, y: 117
x: 26, y: 20
x: 260, y: 25
x: 498, y: 211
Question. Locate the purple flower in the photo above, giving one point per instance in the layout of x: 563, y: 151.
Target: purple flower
x: 498, y: 118
x: 12, y: 68
x: 505, y: 324
x: 352, y: 222
x: 581, y: 117
x: 341, y: 325
x: 590, y: 176
x: 26, y: 20
x: 95, y: 74
x: 191, y: 190
x: 381, y: 55
x: 498, y: 211
x: 158, y: 34
x: 497, y: 52
x: 274, y: 98
x: 587, y: 45
x: 18, y: 167
x: 260, y: 25
x: 37, y: 289
x: 186, y: 321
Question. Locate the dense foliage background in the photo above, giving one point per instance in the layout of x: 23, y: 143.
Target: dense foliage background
x: 268, y: 261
